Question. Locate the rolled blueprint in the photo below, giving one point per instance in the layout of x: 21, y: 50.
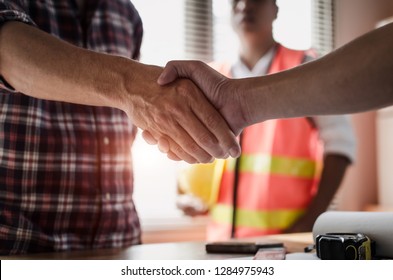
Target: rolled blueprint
x: 376, y: 225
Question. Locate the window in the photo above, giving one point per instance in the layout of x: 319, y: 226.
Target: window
x: 167, y: 36
x: 323, y: 25
x: 163, y: 37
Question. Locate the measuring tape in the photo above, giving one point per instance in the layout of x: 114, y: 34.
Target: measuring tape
x: 344, y: 246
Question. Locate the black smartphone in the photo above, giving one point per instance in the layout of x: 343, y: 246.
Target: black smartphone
x: 234, y: 247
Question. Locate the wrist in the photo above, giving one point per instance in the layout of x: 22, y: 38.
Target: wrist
x: 107, y: 79
x: 135, y: 86
x: 240, y: 92
x: 252, y: 99
x: 268, y: 97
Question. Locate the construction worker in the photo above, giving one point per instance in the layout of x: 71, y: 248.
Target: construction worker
x: 289, y: 169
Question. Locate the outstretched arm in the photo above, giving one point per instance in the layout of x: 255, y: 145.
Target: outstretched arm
x: 42, y: 66
x: 354, y: 78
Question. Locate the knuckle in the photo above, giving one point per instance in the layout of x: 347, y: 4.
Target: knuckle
x: 206, y: 139
x: 178, y: 112
x: 194, y: 148
x: 184, y: 87
x: 219, y: 153
x: 163, y: 118
x: 212, y: 121
x: 177, y: 150
x: 196, y: 151
x: 172, y: 63
x: 209, y: 142
x: 198, y: 64
x: 215, y: 150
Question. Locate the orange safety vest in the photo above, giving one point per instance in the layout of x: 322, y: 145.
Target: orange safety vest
x: 278, y: 171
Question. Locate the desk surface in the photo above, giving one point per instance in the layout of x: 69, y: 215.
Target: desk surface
x: 169, y: 251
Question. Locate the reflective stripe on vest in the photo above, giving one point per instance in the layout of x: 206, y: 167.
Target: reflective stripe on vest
x: 259, y: 163
x: 263, y: 220
x: 278, y: 171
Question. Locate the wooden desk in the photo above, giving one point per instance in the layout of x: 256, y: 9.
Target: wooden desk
x: 167, y: 251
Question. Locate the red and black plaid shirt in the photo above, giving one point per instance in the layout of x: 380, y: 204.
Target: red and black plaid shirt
x: 65, y: 170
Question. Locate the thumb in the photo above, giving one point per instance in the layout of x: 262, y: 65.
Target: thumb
x: 205, y: 77
x: 170, y: 73
x: 189, y: 69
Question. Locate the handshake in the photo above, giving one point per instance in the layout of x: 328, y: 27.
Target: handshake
x: 191, y: 111
x: 196, y: 114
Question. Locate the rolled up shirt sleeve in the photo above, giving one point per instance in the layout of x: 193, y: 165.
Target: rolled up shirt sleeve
x: 12, y: 11
x: 337, y: 134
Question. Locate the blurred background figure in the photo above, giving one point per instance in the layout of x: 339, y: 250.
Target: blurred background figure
x: 289, y: 170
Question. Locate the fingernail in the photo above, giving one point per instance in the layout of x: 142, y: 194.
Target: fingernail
x: 235, y: 151
x: 161, y: 79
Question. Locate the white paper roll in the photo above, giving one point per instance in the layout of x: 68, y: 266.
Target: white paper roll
x: 376, y: 225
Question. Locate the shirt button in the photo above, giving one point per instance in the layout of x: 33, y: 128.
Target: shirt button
x: 106, y: 140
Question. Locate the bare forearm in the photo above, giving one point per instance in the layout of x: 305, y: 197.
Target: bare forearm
x: 42, y: 66
x: 354, y: 78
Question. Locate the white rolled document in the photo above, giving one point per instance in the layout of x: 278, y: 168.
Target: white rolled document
x: 376, y: 225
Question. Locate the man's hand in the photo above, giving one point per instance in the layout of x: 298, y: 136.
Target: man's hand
x: 222, y: 92
x: 191, y: 205
x: 193, y: 129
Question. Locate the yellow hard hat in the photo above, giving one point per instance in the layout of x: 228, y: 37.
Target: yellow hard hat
x: 202, y: 180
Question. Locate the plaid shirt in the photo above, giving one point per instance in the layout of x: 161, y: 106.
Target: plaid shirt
x: 66, y: 170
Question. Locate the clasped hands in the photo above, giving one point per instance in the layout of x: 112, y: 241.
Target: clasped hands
x: 199, y: 114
